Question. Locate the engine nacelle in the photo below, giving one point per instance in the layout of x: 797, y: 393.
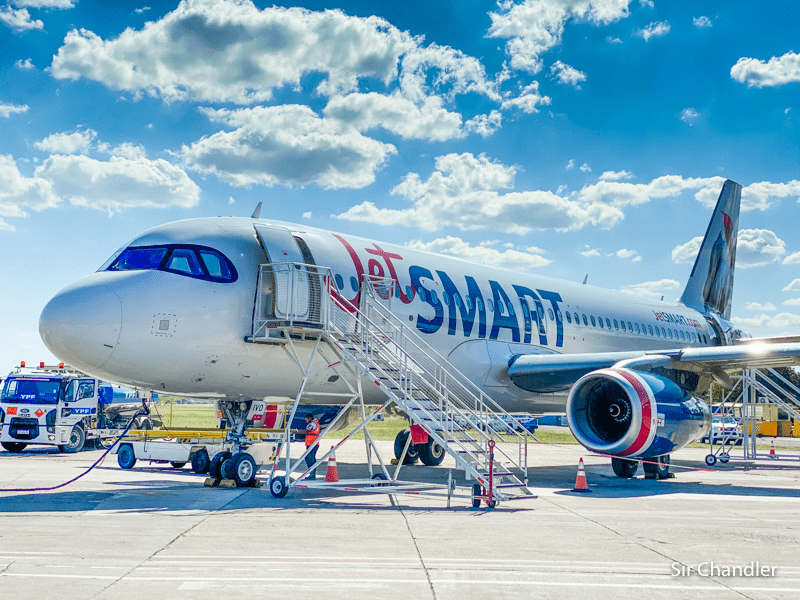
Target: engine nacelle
x: 622, y: 412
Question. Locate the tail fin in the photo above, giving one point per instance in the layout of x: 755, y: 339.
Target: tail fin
x: 710, y: 285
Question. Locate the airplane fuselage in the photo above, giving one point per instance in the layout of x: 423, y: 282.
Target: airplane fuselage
x: 183, y: 332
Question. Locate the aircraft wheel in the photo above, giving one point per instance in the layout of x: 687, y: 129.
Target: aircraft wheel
x: 476, y: 491
x: 126, y: 457
x: 214, y: 468
x: 278, y: 487
x: 379, y: 477
x: 244, y: 468
x: 77, y: 438
x: 657, y: 468
x: 201, y: 462
x: 624, y: 467
x: 177, y: 464
x: 724, y: 458
x: 711, y: 460
x: 14, y: 446
x: 400, y: 443
x: 431, y: 454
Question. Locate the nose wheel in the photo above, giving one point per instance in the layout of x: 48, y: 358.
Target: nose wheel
x: 656, y: 468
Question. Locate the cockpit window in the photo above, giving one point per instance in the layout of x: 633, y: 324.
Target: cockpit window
x: 199, y: 262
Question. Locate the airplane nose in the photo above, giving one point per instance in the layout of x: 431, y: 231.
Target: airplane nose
x: 81, y: 324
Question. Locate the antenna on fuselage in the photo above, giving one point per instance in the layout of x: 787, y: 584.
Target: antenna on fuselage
x: 257, y: 212
x: 585, y: 279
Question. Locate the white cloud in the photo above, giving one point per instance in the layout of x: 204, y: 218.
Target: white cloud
x: 570, y: 164
x: 528, y: 258
x: 231, y: 200
x: 18, y: 192
x: 6, y: 110
x: 5, y: 226
x: 758, y: 247
x: 585, y: 168
x: 653, y: 30
x: 702, y: 21
x: 613, y: 40
x: 60, y: 4
x: 775, y: 72
x: 769, y: 306
x: 690, y: 116
x: 19, y: 19
x: 485, y: 125
x: 528, y: 100
x: 286, y: 145
x: 591, y: 252
x: 119, y: 183
x: 686, y: 253
x: 647, y: 3
x: 760, y: 195
x: 792, y: 302
x: 792, y: 259
x: 567, y: 75
x: 778, y: 321
x: 625, y: 253
x: 794, y: 286
x: 615, y: 175
x: 67, y: 143
x: 142, y: 9
x: 25, y: 65
x: 535, y: 26
x: 465, y: 192
x: 754, y: 248
x: 652, y: 289
x: 307, y: 215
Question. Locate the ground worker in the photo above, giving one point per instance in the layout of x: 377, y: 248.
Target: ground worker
x: 312, y: 431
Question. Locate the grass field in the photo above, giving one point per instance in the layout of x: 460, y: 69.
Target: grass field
x: 203, y: 416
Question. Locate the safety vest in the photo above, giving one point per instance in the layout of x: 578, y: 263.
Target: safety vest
x: 311, y: 436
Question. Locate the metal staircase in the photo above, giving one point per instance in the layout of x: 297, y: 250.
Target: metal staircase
x: 473, y: 429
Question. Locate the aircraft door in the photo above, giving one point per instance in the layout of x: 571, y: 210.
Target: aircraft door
x: 284, y: 290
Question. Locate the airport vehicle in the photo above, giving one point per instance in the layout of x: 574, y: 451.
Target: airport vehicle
x: 58, y: 406
x: 227, y: 308
x: 724, y: 430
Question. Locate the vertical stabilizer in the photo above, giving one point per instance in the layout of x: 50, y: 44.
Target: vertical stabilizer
x: 711, y: 283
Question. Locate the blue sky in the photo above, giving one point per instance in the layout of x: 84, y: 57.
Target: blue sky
x: 562, y: 137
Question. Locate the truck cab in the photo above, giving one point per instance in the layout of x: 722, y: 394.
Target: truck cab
x: 54, y: 406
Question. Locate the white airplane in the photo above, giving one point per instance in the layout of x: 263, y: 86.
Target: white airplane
x: 172, y: 311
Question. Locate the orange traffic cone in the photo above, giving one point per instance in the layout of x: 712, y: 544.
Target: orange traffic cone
x: 332, y: 474
x: 772, y: 449
x: 580, y: 480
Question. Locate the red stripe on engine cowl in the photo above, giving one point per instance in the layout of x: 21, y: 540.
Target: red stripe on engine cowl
x: 647, y: 414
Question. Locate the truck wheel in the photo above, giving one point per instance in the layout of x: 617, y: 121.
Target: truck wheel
x: 476, y: 491
x: 201, y: 462
x: 624, y: 467
x: 177, y: 464
x: 14, y: 446
x: 400, y: 443
x: 244, y: 468
x: 126, y: 457
x: 431, y: 454
x: 77, y: 438
x: 214, y: 468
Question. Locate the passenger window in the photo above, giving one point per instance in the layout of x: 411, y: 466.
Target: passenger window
x: 600, y: 320
x: 577, y: 320
x: 339, y: 282
x: 396, y: 290
x: 421, y: 294
x: 630, y: 327
x: 569, y: 318
x: 550, y: 313
x: 354, y: 284
x: 479, y: 303
x: 615, y: 324
x: 446, y: 298
x: 468, y: 302
x: 510, y: 309
x: 637, y: 327
x: 434, y: 297
x: 593, y: 322
x: 658, y: 334
x: 623, y: 325
x: 585, y: 322
x: 681, y: 334
x: 457, y: 300
x: 663, y: 332
x: 525, y: 310
x: 184, y: 261
x: 409, y: 292
x: 650, y: 327
x: 489, y: 305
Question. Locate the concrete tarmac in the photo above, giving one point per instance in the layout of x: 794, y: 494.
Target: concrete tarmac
x: 156, y: 532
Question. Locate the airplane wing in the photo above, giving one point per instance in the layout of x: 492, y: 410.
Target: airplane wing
x: 549, y: 373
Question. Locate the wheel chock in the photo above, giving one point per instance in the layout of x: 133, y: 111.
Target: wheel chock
x: 211, y: 482
x: 227, y: 483
x: 395, y: 461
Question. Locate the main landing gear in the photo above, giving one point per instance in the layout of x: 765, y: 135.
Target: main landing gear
x: 654, y: 468
x: 430, y: 453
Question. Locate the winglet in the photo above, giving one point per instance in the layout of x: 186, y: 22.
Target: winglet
x: 257, y: 212
x: 710, y: 285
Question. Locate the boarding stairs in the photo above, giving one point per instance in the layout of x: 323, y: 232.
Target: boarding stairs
x: 475, y: 431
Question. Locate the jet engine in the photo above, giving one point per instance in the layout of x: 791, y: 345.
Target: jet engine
x: 626, y: 413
